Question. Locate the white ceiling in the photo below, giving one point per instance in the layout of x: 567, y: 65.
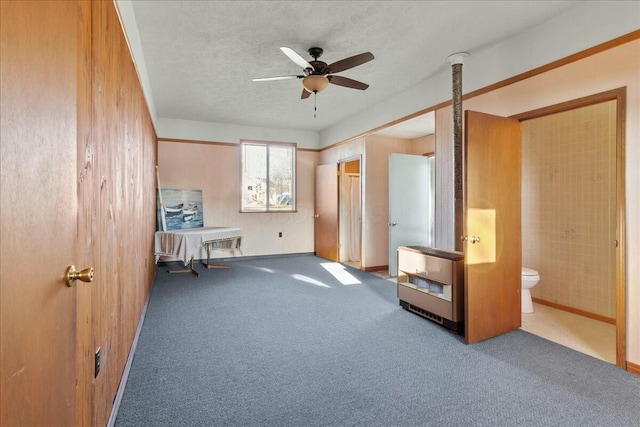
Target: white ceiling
x: 416, y: 127
x: 201, y: 56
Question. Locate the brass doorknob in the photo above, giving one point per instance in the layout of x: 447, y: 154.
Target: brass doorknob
x: 72, y: 275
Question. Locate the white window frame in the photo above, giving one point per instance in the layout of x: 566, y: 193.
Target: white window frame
x: 268, y: 208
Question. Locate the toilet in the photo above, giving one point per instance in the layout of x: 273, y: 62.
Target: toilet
x: 530, y: 278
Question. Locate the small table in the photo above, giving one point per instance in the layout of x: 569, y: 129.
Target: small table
x: 184, y: 244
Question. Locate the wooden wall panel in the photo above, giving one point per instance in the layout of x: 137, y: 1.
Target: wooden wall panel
x: 78, y: 154
x: 126, y: 157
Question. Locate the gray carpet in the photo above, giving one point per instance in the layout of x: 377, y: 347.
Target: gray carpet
x: 281, y: 342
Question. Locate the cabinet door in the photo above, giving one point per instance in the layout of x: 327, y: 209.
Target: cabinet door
x: 493, y: 264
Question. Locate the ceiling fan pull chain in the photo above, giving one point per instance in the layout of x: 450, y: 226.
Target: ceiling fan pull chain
x: 315, y: 109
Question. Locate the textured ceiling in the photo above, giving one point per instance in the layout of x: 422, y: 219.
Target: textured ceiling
x: 202, y: 55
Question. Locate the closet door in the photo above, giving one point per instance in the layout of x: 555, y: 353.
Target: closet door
x: 326, y: 232
x: 492, y: 228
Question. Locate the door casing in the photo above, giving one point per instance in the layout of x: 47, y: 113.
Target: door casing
x: 620, y: 96
x: 341, y: 214
x: 411, y: 212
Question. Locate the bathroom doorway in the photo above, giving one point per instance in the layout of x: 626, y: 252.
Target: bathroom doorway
x: 573, y: 223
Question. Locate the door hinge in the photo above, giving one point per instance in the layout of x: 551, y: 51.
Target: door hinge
x: 96, y: 363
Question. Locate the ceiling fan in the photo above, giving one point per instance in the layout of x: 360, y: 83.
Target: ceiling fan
x: 317, y: 74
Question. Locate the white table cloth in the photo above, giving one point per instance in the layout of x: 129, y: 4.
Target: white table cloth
x: 185, y: 244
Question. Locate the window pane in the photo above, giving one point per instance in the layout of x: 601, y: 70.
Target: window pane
x: 281, y: 178
x: 268, y: 177
x: 254, y: 177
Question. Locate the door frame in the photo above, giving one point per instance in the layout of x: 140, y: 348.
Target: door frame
x: 341, y: 164
x: 405, y: 213
x: 620, y: 96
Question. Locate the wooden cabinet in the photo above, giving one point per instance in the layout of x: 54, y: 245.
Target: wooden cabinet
x: 431, y: 284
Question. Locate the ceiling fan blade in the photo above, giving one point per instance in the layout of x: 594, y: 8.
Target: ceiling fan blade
x: 353, y: 61
x: 346, y: 82
x: 305, y: 94
x: 268, y: 79
x: 299, y: 60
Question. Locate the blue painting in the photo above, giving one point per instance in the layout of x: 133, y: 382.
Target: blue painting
x: 182, y: 209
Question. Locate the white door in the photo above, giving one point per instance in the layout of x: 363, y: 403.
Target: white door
x: 411, y: 203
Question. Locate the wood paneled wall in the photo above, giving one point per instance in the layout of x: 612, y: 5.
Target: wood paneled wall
x: 126, y: 150
x: 78, y: 187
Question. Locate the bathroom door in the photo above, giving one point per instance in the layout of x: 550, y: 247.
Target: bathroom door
x: 326, y: 236
x: 492, y: 226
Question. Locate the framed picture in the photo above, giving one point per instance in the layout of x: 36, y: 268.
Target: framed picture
x: 180, y: 208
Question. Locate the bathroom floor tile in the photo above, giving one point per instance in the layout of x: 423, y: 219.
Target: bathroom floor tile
x: 589, y: 336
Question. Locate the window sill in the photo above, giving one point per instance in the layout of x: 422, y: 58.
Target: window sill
x: 269, y: 212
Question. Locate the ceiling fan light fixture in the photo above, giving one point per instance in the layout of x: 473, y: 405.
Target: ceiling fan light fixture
x: 315, y: 83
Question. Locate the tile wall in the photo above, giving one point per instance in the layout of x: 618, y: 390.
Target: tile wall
x: 568, y: 206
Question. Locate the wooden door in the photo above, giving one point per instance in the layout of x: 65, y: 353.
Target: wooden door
x: 492, y: 214
x: 43, y: 347
x: 326, y: 212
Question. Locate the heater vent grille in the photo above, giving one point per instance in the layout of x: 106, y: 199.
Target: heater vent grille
x: 425, y: 313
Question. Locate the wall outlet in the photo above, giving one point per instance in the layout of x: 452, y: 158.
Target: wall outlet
x: 96, y: 367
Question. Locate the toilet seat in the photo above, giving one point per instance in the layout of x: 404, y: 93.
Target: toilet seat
x: 528, y: 272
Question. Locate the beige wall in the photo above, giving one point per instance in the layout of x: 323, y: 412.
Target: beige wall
x: 613, y: 68
x: 376, y: 206
x: 375, y: 152
x: 423, y: 145
x: 215, y: 169
x: 568, y: 206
